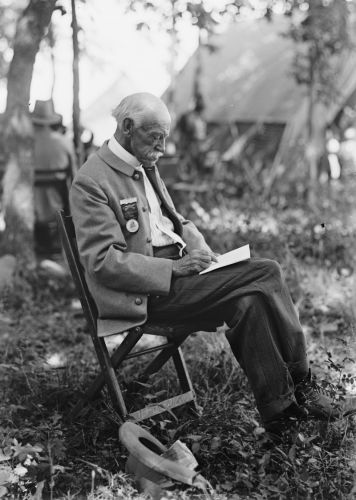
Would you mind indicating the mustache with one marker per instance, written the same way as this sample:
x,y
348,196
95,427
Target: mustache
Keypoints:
x,y
156,154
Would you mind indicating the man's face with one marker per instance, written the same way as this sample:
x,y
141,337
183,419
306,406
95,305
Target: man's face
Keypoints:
x,y
148,141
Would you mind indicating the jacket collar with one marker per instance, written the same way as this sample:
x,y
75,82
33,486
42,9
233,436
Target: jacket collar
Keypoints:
x,y
114,161
116,148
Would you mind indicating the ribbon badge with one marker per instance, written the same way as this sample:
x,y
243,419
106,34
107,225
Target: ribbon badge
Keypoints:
x,y
130,211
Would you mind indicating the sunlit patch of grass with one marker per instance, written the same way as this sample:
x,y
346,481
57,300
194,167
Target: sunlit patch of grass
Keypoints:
x,y
328,290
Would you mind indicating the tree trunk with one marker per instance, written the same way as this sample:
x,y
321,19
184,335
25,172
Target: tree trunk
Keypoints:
x,y
52,43
76,84
311,152
197,86
171,104
18,178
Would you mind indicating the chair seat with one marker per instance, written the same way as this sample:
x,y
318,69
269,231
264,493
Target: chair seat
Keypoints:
x,y
176,330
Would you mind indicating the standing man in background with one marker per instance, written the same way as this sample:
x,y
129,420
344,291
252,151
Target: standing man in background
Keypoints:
x,y
54,170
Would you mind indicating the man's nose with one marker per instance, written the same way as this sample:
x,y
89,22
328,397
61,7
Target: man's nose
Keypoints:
x,y
161,145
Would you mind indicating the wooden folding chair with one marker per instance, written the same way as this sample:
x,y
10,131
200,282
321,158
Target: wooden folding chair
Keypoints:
x,y
175,335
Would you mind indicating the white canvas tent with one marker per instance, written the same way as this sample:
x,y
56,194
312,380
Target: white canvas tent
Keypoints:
x,y
97,116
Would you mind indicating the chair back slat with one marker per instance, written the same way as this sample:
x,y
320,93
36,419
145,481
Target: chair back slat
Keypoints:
x,y
67,234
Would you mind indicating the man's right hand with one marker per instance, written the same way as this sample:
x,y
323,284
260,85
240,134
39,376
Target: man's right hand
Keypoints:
x,y
193,263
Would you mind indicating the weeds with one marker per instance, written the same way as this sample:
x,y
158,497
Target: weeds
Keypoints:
x,y
47,360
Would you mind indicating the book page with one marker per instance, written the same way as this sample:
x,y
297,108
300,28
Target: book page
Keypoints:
x,y
237,255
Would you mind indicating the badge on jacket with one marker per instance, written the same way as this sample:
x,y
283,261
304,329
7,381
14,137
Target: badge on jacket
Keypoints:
x,y
130,211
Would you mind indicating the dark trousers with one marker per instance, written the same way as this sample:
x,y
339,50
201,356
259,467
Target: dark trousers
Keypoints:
x,y
264,333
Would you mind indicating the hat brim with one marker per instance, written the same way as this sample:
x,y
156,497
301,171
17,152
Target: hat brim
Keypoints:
x,y
50,120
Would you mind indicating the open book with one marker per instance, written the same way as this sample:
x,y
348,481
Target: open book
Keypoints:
x,y
237,255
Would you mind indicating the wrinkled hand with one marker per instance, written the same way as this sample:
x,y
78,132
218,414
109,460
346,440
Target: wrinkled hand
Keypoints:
x,y
193,263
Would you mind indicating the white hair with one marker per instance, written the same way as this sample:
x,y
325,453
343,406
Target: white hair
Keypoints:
x,y
138,107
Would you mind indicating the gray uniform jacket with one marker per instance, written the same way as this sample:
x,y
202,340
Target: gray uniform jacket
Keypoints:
x,y
120,269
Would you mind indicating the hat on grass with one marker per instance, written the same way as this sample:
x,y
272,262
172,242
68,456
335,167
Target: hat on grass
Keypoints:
x,y
44,114
154,466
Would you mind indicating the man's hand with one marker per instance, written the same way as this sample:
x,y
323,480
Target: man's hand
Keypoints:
x,y
193,263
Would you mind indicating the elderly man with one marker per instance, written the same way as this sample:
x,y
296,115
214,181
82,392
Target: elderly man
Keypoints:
x,y
142,260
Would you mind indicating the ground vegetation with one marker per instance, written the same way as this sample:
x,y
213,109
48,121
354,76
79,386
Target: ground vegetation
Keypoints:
x,y
47,360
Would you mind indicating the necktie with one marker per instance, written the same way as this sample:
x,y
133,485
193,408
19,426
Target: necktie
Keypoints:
x,y
175,236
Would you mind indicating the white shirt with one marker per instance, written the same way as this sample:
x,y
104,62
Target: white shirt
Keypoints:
x,y
162,228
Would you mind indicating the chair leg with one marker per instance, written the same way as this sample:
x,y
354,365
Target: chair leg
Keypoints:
x,y
181,367
117,357
184,377
162,358
108,375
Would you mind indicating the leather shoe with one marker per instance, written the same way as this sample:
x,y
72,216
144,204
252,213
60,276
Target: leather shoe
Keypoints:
x,y
280,422
312,397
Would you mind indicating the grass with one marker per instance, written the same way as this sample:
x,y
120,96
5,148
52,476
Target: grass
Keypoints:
x,y
46,361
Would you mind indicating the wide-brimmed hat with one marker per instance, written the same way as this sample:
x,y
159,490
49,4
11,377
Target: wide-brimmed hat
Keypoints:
x,y
44,114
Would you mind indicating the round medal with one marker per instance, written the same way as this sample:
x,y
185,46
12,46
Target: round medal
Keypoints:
x,y
132,226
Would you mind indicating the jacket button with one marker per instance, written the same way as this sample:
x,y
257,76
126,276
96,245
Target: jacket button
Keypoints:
x,y
149,240
144,209
138,301
136,176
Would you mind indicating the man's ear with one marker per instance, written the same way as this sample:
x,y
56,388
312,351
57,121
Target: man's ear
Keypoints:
x,y
127,126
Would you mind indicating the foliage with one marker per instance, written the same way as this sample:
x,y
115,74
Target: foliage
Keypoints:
x,y
171,11
323,34
310,239
230,212
47,359
22,464
171,15
8,17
